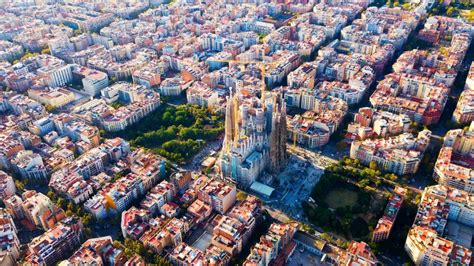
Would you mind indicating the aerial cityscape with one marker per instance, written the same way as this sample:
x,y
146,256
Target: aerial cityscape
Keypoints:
x,y
227,132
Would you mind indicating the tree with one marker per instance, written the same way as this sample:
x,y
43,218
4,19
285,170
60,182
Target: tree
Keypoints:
x,y
160,261
61,202
356,209
20,185
363,198
417,199
325,236
176,133
70,206
116,105
359,228
51,195
373,166
79,211
27,55
470,16
396,4
167,117
49,107
46,51
88,232
341,243
241,196
135,247
363,182
261,37
374,247
346,224
450,11
391,177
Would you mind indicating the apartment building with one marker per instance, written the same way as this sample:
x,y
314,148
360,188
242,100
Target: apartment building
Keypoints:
x,y
372,123
401,154
453,166
201,94
56,243
216,193
464,112
93,81
9,242
7,186
183,255
40,210
30,165
97,251
229,234
271,244
425,247
54,97
134,223
385,224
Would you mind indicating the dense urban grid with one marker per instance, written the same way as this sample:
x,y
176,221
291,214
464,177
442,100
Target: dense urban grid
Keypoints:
x,y
226,132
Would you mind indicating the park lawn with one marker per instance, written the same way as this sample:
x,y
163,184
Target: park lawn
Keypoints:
x,y
341,197
343,206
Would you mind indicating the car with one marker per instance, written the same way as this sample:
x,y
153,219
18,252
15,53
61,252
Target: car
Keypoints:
x,y
302,250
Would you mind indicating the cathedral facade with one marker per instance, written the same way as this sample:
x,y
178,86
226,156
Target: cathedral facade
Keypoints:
x,y
255,137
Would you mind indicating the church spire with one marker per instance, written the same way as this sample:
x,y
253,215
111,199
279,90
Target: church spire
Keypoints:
x,y
278,135
229,123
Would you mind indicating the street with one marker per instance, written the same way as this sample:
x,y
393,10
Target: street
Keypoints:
x,y
318,159
210,147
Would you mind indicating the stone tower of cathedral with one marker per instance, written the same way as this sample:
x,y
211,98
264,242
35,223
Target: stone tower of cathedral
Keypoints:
x,y
229,123
278,136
